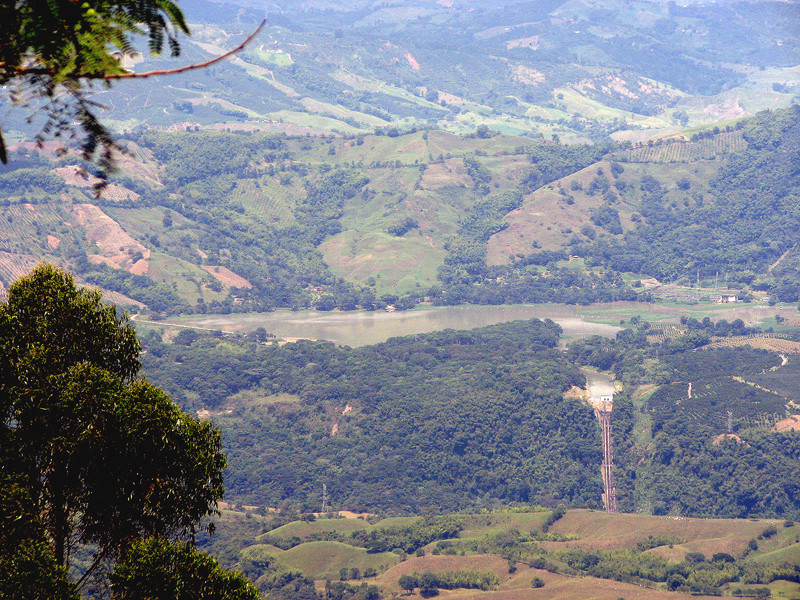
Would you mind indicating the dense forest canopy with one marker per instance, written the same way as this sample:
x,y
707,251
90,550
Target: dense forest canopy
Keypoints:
x,y
476,418
99,469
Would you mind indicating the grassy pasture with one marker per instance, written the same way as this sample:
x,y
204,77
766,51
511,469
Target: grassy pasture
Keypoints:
x,y
323,560
304,529
186,276
251,398
517,585
259,552
608,531
476,526
396,264
316,122
789,554
441,563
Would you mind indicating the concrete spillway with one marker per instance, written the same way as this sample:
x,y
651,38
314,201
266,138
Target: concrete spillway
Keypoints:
x,y
610,495
601,391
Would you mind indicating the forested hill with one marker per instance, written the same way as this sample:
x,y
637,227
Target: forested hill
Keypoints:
x,y
746,226
202,221
495,416
450,419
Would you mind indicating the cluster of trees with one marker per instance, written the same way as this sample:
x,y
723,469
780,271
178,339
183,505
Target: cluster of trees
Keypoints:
x,y
511,285
554,161
103,479
21,179
159,297
749,223
456,419
408,538
429,583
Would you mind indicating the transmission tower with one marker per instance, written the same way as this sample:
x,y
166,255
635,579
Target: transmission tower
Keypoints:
x,y
324,498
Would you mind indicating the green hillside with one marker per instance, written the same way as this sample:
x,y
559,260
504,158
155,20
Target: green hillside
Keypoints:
x,y
503,552
497,415
205,221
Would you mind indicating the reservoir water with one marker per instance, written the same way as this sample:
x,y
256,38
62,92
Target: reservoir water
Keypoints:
x,y
363,328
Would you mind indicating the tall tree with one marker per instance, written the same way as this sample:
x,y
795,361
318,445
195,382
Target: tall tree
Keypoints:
x,y
106,457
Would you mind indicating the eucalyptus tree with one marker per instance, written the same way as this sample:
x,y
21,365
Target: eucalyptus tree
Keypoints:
x,y
104,458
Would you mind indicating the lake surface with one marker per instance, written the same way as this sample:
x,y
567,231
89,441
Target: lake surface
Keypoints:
x,y
363,328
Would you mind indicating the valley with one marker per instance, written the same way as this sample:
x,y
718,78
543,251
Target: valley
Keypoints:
x,y
411,298
363,328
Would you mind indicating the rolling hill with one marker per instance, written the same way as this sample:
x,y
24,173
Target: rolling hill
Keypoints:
x,y
215,221
594,555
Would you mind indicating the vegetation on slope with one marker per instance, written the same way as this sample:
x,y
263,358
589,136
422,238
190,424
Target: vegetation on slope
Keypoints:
x,y
476,418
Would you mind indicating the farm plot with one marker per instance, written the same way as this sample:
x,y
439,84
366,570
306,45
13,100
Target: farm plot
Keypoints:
x,y
711,403
784,381
765,342
705,364
681,151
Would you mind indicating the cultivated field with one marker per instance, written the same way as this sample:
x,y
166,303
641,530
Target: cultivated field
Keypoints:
x,y
584,529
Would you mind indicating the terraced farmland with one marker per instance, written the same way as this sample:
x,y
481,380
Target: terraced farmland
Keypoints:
x,y
685,151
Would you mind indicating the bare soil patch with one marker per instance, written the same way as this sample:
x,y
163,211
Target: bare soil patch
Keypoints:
x,y
75,176
526,42
727,436
451,99
528,75
227,277
790,424
450,173
608,531
727,109
116,246
140,267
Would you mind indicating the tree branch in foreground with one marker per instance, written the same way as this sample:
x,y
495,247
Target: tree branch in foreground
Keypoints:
x,y
185,68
